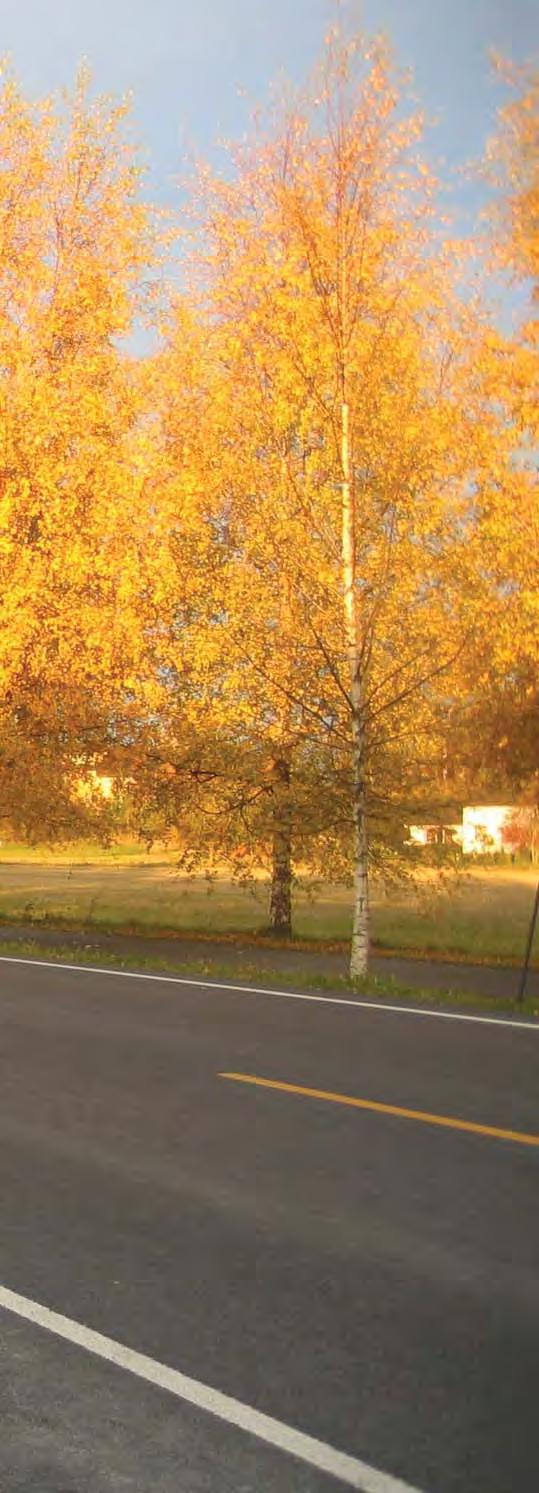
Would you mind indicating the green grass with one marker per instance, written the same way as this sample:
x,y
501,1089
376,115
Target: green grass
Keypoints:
x,y
255,974
85,853
484,917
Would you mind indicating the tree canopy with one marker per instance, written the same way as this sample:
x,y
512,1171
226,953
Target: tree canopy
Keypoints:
x,y
279,573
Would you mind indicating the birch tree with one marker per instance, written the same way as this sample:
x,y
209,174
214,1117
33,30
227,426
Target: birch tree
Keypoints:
x,y
76,248
343,463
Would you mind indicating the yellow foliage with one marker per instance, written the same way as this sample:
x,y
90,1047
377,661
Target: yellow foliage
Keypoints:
x,y
252,573
74,243
516,151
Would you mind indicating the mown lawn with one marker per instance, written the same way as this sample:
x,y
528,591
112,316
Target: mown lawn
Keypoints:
x,y
484,916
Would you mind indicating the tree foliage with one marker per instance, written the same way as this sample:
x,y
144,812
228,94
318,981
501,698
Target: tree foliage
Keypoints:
x,y
278,577
75,247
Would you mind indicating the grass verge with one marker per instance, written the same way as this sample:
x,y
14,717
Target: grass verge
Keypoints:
x,y
40,918
253,974
482,919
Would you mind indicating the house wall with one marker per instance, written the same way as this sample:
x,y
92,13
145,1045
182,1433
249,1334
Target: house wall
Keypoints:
x,y
482,827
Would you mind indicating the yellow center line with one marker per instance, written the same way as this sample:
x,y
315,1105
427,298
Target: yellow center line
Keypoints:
x,y
386,1109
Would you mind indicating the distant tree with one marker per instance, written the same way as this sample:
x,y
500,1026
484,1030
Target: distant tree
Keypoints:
x,y
522,831
76,247
496,729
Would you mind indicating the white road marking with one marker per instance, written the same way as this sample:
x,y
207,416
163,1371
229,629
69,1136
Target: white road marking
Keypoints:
x,y
289,995
348,1470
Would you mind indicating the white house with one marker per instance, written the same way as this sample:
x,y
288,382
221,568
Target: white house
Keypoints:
x,y
435,834
482,831
483,828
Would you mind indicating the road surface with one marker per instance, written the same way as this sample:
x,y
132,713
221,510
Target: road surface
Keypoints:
x,y
364,1276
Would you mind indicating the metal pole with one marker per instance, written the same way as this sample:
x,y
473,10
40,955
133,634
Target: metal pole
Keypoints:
x,y
527,956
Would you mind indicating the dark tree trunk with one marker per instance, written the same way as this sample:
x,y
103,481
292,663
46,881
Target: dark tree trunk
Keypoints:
x,y
281,876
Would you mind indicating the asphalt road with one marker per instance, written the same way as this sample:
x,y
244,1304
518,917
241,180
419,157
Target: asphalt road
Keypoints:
x,y
368,1278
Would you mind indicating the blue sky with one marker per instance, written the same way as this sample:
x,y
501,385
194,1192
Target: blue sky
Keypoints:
x,y
187,61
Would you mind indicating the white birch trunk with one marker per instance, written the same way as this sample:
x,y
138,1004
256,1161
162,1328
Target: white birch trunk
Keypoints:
x,y
359,953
